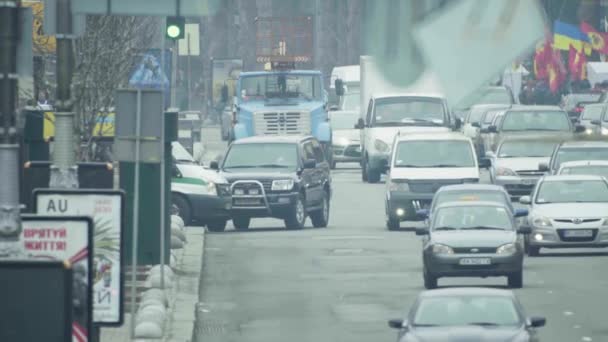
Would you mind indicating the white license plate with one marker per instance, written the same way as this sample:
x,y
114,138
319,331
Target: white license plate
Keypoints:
x,y
247,201
578,233
475,261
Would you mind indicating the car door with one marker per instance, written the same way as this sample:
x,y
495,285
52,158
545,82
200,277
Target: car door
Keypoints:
x,y
322,172
309,177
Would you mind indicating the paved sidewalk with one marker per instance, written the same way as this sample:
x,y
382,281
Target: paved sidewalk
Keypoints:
x,y
184,295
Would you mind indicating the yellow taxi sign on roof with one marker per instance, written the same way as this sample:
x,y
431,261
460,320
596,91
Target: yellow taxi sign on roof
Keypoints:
x,y
469,198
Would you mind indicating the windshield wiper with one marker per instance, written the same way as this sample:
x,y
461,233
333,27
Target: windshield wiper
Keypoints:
x,y
446,165
426,325
239,167
485,228
445,228
544,129
484,324
272,166
409,165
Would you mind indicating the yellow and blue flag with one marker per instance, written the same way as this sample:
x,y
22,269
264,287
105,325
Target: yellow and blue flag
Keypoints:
x,y
565,34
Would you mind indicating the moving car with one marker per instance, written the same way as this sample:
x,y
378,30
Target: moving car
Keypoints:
x,y
515,163
575,151
389,115
472,239
420,165
346,146
489,95
285,177
200,195
595,119
467,314
473,123
568,211
584,167
575,103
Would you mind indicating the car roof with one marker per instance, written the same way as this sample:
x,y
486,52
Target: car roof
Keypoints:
x,y
283,139
557,178
472,187
387,95
466,291
453,204
277,72
433,136
528,108
584,163
584,143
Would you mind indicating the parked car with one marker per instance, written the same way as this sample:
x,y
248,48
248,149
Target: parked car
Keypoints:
x,y
472,239
346,144
595,119
515,163
420,165
575,151
467,314
285,177
568,211
584,167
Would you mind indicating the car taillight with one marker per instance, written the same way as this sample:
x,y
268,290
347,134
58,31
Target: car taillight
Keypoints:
x,y
578,109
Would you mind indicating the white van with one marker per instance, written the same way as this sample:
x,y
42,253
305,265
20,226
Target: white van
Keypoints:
x,y
422,163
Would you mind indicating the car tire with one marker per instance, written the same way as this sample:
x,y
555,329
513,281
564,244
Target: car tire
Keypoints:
x,y
516,280
320,218
393,224
430,281
297,217
216,225
373,175
533,251
183,207
241,222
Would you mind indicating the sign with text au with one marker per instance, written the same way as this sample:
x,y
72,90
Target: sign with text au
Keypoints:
x,y
106,208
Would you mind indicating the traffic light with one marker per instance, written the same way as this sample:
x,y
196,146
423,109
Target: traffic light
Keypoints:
x,y
175,27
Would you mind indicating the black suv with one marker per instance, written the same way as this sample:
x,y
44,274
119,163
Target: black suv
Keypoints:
x,y
285,177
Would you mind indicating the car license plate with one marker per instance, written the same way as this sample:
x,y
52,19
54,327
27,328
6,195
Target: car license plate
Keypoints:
x,y
246,201
578,233
475,261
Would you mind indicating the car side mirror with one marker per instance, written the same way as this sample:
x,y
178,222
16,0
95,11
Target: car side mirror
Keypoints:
x,y
422,231
524,230
333,108
579,128
484,163
360,124
457,123
310,164
397,323
537,322
475,124
543,167
520,212
339,85
525,200
422,214
492,129
596,122
214,165
384,165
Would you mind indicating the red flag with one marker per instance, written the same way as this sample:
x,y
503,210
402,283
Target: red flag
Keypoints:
x,y
599,40
572,55
541,59
556,71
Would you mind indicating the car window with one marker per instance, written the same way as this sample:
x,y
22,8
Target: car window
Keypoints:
x,y
592,113
261,155
456,196
471,217
351,101
475,114
568,191
400,110
434,153
595,170
466,310
577,154
535,120
318,152
309,152
525,149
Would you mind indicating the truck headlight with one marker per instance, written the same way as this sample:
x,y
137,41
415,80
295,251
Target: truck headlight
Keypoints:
x,y
381,146
503,171
223,189
541,222
508,248
399,186
589,131
604,130
282,185
442,249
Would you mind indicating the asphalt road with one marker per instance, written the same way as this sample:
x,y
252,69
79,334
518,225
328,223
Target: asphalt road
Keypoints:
x,y
344,282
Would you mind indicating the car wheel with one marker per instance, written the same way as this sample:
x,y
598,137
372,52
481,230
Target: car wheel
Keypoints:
x,y
241,222
373,175
320,218
183,208
393,224
533,251
430,281
297,217
516,280
216,225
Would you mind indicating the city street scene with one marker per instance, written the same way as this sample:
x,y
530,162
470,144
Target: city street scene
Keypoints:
x,y
303,170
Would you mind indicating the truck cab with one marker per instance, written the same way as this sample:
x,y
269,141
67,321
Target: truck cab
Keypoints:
x,y
282,102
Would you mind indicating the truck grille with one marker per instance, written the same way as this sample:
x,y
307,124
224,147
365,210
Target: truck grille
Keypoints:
x,y
267,183
281,123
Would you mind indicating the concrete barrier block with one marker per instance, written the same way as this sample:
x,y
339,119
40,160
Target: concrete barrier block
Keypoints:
x,y
178,233
148,330
176,243
177,220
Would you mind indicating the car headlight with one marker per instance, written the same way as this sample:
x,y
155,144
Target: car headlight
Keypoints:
x,y
282,185
604,130
209,189
509,248
442,249
588,131
223,189
503,171
381,146
342,142
399,186
605,224
541,222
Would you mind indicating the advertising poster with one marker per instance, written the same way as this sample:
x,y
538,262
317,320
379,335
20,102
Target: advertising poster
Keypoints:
x,y
106,208
70,239
149,73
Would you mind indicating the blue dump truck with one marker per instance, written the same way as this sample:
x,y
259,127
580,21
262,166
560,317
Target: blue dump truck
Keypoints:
x,y
282,101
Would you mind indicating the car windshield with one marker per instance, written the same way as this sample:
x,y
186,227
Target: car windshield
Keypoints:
x,y
466,310
264,87
472,217
351,101
472,195
577,154
592,112
488,96
595,170
526,149
262,155
568,191
180,153
434,153
342,120
535,120
406,110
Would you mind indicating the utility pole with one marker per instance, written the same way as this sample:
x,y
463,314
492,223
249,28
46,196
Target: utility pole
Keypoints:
x,y
64,172
10,219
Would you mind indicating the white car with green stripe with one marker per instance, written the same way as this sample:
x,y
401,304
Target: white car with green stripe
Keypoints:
x,y
201,196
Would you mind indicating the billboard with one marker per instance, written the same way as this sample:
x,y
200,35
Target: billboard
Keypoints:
x,y
106,208
148,73
70,239
224,71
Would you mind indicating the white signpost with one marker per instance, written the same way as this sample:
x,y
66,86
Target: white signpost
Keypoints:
x,y
106,208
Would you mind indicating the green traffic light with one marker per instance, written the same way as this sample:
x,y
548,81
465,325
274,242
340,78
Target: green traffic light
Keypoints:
x,y
173,31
